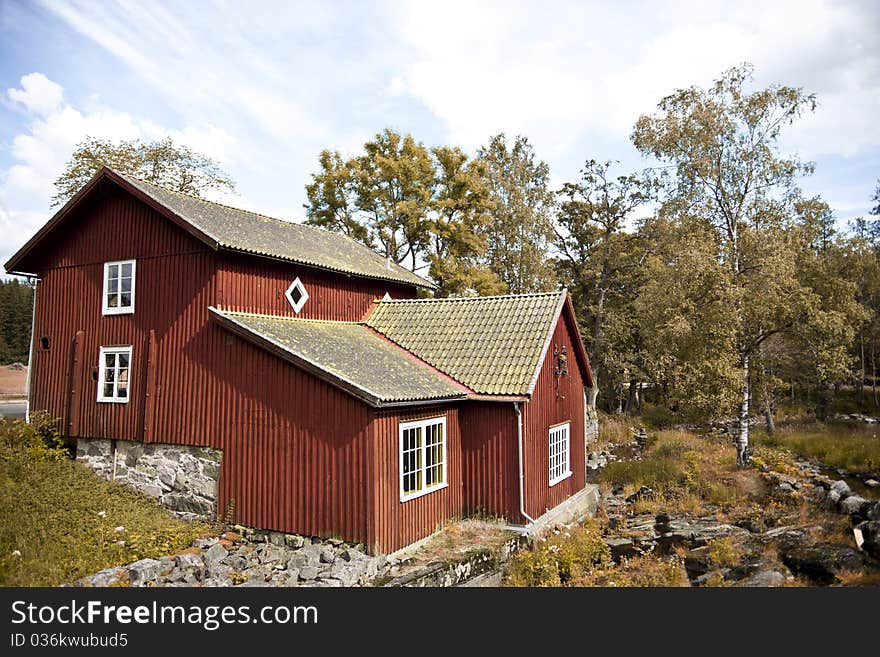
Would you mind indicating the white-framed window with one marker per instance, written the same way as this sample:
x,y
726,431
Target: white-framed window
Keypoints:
x,y
114,374
422,457
559,453
119,278
297,295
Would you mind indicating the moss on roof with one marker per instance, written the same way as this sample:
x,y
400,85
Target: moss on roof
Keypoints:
x,y
493,345
249,232
354,356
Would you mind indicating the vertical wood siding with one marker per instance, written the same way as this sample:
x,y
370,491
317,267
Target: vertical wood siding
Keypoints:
x,y
295,449
396,524
255,285
555,400
490,456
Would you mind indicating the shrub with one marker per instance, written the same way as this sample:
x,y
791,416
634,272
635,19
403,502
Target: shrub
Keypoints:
x,y
560,559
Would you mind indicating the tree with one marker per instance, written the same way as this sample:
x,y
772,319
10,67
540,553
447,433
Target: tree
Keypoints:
x,y
725,169
522,206
420,207
459,229
161,162
601,259
16,311
876,198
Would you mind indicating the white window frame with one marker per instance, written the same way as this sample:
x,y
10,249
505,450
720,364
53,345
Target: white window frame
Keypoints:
x,y
559,452
297,306
423,467
118,310
102,371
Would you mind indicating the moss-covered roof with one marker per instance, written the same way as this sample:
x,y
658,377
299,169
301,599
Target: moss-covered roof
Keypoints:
x,y
349,355
493,345
248,232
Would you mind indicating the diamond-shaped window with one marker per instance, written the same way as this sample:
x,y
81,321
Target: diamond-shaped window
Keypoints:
x,y
296,295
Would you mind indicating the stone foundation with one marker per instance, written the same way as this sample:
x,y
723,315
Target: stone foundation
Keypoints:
x,y
182,478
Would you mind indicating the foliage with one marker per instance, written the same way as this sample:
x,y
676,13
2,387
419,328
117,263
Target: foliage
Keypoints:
x,y
855,448
601,264
560,559
522,202
425,208
162,162
59,521
726,174
16,307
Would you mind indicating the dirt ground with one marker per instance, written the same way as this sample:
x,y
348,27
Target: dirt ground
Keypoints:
x,y
12,382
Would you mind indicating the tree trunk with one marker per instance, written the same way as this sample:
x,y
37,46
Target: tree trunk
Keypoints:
x,y
632,397
593,393
742,439
861,386
768,417
822,402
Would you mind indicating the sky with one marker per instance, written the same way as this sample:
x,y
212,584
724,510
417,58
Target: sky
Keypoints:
x,y
263,87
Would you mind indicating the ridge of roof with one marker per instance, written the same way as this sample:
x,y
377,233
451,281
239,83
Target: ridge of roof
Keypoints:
x,y
521,295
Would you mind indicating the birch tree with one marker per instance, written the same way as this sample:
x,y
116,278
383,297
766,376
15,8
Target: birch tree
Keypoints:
x,y
162,162
720,147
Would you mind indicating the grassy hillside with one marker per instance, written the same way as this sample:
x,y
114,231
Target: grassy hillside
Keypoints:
x,y
59,521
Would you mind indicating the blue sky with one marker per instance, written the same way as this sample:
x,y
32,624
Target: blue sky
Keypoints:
x,y
264,89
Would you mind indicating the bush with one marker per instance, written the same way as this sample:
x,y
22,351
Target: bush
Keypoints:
x,y
560,559
59,521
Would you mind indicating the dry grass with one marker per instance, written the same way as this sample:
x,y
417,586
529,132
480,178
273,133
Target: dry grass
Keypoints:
x,y
13,382
614,429
838,445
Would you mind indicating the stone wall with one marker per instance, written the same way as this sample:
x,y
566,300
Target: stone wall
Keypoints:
x,y
183,478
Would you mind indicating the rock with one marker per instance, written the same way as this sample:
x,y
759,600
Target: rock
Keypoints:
x,y
143,571
234,537
307,573
832,500
106,577
841,488
205,542
215,553
697,563
765,578
294,541
645,492
622,547
785,487
327,555
855,505
822,562
868,537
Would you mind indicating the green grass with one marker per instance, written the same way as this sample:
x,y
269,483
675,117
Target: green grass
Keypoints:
x,y
58,520
838,445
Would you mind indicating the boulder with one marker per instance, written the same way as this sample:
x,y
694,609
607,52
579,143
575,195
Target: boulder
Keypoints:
x,y
622,547
307,573
873,512
867,535
841,488
215,553
855,505
764,578
142,571
822,562
872,483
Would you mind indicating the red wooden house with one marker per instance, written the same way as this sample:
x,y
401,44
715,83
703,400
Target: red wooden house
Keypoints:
x,y
225,362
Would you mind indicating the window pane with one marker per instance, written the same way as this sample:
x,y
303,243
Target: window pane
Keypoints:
x,y
126,269
113,285
126,299
108,390
109,360
113,271
122,390
296,294
123,360
109,374
126,285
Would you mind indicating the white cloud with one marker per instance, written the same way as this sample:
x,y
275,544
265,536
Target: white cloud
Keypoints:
x,y
38,93
40,152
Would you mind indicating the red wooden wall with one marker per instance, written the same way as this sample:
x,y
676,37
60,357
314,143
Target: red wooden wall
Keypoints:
x,y
554,400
